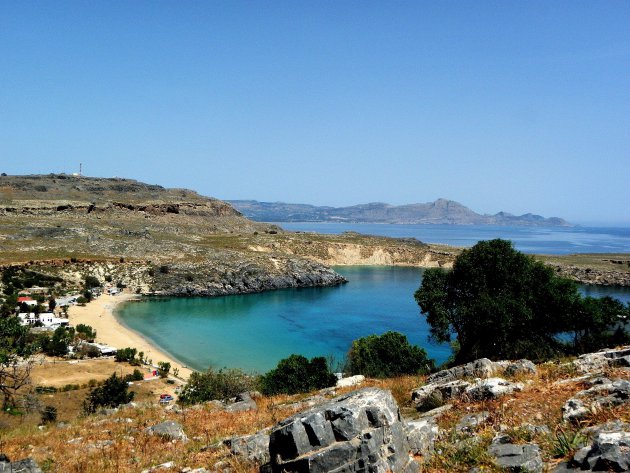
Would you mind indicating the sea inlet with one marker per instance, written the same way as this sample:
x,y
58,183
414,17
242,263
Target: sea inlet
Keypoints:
x,y
254,331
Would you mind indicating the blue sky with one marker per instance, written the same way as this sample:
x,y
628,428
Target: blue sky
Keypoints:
x,y
522,106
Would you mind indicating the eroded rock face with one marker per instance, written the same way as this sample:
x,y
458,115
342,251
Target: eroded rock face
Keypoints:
x,y
598,361
514,457
168,430
251,447
433,394
421,435
609,451
602,394
492,388
482,368
359,431
27,465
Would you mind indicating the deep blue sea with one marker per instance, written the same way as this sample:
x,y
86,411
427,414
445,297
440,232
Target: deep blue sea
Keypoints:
x,y
552,241
253,332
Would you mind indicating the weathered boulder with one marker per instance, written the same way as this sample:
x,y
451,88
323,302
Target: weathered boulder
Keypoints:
x,y
243,402
492,388
350,381
469,422
598,361
603,393
28,465
520,367
421,435
434,394
168,430
610,451
481,368
517,458
251,447
362,430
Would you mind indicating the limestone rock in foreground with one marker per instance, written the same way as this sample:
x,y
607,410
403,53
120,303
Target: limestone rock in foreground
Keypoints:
x,y
513,457
598,361
360,431
603,393
168,430
609,451
481,368
253,447
492,388
27,465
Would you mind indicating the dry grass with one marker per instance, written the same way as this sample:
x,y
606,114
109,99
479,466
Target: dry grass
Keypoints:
x,y
132,450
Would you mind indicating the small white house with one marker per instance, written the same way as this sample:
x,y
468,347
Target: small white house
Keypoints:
x,y
47,319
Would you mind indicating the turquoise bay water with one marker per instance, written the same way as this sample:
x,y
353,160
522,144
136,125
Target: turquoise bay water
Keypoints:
x,y
253,332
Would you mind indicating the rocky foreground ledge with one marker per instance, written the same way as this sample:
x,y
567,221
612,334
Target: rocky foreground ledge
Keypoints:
x,y
482,416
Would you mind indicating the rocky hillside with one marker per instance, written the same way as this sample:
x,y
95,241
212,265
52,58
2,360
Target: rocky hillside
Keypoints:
x,y
209,248
497,416
172,241
441,211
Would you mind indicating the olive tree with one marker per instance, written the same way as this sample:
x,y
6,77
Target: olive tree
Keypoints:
x,y
498,303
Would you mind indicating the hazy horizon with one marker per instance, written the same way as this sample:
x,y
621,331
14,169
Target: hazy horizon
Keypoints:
x,y
522,107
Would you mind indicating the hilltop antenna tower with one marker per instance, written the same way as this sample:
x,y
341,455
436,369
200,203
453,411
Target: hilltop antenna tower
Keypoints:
x,y
80,168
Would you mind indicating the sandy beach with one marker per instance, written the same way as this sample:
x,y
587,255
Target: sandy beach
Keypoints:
x,y
99,314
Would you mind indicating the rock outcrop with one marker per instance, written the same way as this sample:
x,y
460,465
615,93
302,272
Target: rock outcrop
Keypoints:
x,y
27,465
361,431
168,430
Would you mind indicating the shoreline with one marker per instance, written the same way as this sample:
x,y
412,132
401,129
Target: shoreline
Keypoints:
x,y
99,314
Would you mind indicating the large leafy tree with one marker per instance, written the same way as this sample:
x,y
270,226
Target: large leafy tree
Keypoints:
x,y
499,303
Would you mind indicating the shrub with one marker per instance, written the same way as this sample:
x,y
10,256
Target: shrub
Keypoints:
x,y
91,281
163,368
387,355
112,393
296,374
49,414
85,332
135,376
125,354
164,269
222,385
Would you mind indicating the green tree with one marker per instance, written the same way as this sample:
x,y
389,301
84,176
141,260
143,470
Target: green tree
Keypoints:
x,y
58,344
112,393
163,368
598,322
91,281
387,355
85,332
16,350
125,354
499,303
296,374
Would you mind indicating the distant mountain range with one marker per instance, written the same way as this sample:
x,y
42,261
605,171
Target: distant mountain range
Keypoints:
x,y
442,211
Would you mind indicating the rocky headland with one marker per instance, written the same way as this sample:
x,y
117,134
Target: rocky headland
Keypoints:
x,y
441,211
176,242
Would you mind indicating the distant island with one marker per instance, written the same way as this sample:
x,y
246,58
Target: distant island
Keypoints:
x,y
441,211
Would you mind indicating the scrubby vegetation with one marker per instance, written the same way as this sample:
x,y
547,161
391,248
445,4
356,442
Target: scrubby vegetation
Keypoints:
x,y
221,385
112,393
297,374
387,355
